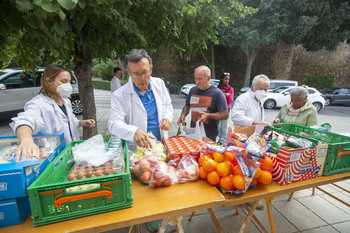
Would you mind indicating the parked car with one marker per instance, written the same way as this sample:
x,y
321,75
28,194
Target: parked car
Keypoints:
x,y
336,95
274,83
17,88
185,89
279,96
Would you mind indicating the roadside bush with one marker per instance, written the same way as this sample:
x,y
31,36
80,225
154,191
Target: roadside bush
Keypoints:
x,y
175,88
319,81
103,69
101,84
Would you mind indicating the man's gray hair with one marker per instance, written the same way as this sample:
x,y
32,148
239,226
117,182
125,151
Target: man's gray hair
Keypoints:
x,y
206,69
300,91
135,56
260,77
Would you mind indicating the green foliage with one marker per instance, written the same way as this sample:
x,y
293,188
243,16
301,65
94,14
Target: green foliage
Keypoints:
x,y
319,81
103,69
175,88
101,84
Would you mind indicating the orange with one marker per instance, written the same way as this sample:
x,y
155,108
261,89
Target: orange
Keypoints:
x,y
265,177
204,157
257,173
213,178
255,182
218,157
209,165
238,182
229,156
202,173
237,170
223,169
226,183
266,164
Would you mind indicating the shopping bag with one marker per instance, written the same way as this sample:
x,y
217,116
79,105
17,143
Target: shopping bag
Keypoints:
x,y
197,132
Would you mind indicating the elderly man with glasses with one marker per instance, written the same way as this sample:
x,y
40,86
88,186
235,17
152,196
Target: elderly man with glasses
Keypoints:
x,y
142,105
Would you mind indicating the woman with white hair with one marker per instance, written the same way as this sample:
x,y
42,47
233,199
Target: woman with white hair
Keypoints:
x,y
299,110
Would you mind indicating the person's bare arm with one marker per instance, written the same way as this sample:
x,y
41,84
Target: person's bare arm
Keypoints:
x,y
27,145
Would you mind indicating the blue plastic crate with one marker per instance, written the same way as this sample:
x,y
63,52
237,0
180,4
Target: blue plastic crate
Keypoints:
x,y
14,211
16,177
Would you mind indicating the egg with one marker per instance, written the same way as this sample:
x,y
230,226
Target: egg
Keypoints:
x,y
80,175
98,172
71,176
114,169
106,171
89,173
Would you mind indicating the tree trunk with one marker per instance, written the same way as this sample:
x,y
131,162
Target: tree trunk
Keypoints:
x,y
213,75
83,70
248,71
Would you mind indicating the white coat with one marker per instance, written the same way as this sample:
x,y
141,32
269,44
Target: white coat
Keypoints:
x,y
115,84
43,115
246,110
128,113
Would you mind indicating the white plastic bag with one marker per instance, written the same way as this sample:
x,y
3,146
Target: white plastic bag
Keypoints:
x,y
193,133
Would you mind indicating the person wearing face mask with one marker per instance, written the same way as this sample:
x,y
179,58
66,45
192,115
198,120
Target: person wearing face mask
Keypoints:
x,y
299,110
49,112
247,109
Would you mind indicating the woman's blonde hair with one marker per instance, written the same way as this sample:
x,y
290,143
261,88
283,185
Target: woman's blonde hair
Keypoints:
x,y
49,75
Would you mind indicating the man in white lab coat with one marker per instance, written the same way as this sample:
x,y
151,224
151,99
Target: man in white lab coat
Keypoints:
x,y
142,105
247,109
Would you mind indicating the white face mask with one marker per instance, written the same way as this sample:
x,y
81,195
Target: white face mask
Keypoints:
x,y
259,94
65,89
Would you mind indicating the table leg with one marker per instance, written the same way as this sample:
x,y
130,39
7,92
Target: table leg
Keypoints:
x,y
268,204
313,191
249,216
191,216
331,195
215,220
139,228
256,220
341,188
131,229
236,209
290,196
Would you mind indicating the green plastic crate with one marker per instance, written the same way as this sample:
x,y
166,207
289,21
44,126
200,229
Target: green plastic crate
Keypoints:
x,y
52,200
338,155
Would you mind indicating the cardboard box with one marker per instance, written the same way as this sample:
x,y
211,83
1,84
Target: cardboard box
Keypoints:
x,y
246,131
292,165
16,177
14,211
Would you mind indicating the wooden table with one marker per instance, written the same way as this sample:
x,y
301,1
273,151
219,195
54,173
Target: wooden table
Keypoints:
x,y
158,203
149,204
268,192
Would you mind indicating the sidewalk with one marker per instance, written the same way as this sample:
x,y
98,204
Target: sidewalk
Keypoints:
x,y
304,213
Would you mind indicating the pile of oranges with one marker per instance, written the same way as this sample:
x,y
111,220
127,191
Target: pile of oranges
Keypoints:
x,y
223,169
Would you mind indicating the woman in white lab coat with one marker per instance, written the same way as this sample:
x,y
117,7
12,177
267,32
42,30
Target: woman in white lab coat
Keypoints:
x,y
128,113
49,112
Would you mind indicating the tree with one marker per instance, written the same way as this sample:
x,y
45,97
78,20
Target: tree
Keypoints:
x,y
82,30
313,23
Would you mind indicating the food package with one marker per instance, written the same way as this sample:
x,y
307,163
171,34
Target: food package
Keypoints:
x,y
156,150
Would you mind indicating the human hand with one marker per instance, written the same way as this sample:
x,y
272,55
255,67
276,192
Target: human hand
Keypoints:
x,y
87,123
276,121
227,94
141,138
181,120
262,123
165,124
204,117
27,149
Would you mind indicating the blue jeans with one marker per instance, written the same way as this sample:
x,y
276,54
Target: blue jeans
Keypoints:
x,y
222,128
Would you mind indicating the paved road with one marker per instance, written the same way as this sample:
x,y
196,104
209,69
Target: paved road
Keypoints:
x,y
337,116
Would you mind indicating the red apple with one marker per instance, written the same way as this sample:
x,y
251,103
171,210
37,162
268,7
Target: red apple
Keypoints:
x,y
144,165
145,177
137,171
193,173
167,181
171,169
159,175
181,175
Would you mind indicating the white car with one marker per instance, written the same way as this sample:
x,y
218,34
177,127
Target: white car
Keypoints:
x,y
279,96
185,89
274,83
14,93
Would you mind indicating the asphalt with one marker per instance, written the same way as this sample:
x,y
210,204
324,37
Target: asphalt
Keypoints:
x,y
305,212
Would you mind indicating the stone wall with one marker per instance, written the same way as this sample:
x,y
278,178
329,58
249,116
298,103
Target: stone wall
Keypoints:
x,y
281,62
